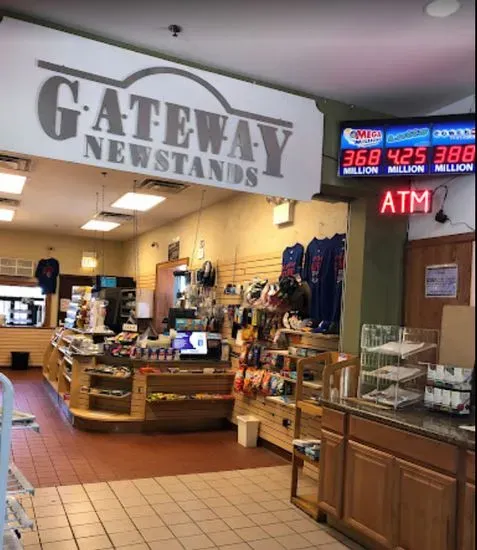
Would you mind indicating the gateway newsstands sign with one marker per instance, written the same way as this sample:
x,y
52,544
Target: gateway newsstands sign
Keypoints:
x,y
69,98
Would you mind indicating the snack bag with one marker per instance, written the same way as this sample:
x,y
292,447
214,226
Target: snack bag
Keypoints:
x,y
273,384
248,381
257,380
266,380
239,379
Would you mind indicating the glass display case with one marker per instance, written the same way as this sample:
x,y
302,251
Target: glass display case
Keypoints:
x,y
394,363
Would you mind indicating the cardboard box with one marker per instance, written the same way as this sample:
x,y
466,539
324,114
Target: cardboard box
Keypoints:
x,y
457,344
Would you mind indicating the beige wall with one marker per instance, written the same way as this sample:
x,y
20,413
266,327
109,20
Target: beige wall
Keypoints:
x,y
67,250
241,226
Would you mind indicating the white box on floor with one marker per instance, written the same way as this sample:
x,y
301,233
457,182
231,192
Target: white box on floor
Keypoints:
x,y
248,430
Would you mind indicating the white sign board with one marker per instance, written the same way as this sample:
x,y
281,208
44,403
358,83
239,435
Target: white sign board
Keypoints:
x,y
441,281
70,98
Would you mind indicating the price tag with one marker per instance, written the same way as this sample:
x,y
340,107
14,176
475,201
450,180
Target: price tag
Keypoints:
x,y
129,327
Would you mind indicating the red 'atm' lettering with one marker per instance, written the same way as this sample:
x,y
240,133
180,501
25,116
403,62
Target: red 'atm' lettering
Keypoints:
x,y
406,202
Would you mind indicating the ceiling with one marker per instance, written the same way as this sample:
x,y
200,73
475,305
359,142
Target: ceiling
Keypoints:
x,y
60,197
382,54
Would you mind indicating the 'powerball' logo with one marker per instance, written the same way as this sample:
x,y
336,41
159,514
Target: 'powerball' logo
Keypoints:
x,y
363,137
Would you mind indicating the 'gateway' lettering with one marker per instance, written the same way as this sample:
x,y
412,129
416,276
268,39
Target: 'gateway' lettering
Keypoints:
x,y
146,119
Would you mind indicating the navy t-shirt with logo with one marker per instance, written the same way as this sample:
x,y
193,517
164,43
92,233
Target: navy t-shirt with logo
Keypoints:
x,y
313,272
47,272
332,283
292,260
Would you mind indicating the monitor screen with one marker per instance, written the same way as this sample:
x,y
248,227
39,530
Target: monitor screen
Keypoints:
x,y
108,282
425,146
191,343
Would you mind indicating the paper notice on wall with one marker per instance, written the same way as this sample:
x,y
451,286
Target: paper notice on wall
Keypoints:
x,y
64,304
441,281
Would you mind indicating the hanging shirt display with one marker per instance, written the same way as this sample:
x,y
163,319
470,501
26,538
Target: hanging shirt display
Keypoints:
x,y
312,274
47,272
332,280
292,260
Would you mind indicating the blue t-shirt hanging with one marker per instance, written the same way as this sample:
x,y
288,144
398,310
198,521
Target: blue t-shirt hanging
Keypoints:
x,y
314,256
292,260
47,272
332,279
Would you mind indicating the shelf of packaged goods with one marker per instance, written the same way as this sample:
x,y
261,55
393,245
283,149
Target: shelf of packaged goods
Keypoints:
x,y
17,482
106,396
305,458
230,399
103,375
310,407
308,504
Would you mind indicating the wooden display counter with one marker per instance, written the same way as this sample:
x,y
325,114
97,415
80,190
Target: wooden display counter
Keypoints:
x,y
400,480
31,339
98,401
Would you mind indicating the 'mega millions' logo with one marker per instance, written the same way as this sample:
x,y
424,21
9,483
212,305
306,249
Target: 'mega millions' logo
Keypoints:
x,y
363,137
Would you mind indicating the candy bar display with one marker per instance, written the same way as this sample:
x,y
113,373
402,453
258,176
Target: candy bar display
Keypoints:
x,y
162,396
122,344
107,370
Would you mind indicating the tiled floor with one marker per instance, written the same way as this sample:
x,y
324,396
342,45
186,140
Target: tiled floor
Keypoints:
x,y
232,510
62,455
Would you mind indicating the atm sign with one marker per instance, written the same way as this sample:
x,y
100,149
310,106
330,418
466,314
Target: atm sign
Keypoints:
x,y
406,201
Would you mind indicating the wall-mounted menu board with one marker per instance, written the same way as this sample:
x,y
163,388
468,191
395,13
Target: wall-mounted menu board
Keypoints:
x,y
412,146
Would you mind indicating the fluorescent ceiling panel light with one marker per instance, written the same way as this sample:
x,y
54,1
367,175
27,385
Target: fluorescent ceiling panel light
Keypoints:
x,y
442,8
11,183
6,215
138,201
99,225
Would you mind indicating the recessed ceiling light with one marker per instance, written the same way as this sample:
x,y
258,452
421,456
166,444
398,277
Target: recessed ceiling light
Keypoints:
x,y
11,183
442,8
99,225
6,215
138,201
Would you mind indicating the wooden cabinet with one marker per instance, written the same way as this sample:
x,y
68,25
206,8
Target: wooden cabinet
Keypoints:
x,y
368,497
425,508
467,525
331,473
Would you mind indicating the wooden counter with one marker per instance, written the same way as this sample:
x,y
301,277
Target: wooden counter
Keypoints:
x,y
75,387
394,486
31,339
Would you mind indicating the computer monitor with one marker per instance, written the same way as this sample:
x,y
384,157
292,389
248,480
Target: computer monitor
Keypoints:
x,y
191,343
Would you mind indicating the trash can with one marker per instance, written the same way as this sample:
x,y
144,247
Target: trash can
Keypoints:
x,y
19,360
248,430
